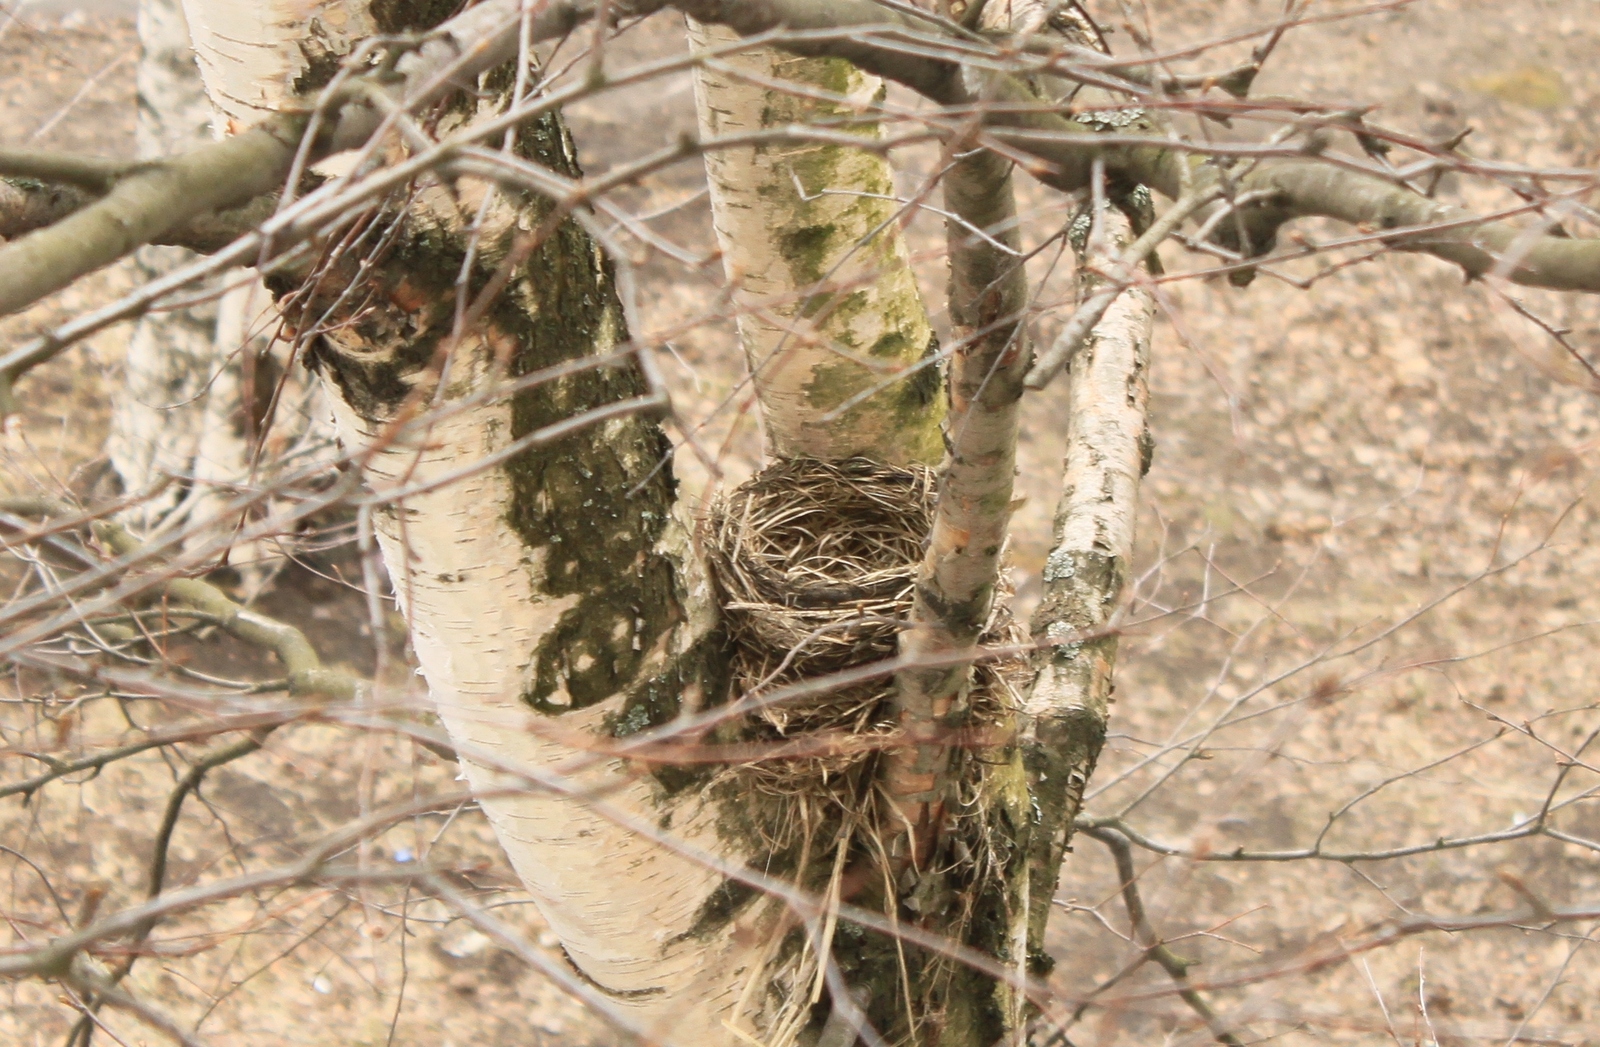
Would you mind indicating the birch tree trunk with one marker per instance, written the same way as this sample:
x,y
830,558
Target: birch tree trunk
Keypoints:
x,y
552,594
156,423
1109,448
549,594
831,321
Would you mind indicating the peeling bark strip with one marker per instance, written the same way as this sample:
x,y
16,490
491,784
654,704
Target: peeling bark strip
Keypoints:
x,y
828,306
1108,452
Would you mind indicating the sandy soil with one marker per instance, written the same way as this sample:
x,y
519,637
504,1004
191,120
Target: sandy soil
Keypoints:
x,y
1364,560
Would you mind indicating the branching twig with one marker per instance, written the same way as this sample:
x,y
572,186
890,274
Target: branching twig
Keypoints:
x,y
1154,947
303,666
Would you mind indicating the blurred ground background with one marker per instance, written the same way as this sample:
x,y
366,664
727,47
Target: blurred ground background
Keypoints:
x,y
1330,462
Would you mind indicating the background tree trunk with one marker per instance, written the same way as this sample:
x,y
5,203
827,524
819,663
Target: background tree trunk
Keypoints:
x,y
199,380
157,422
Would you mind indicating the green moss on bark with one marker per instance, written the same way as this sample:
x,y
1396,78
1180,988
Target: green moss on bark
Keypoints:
x,y
401,16
596,502
590,508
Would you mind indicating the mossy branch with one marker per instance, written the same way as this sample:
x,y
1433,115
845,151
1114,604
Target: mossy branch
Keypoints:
x,y
145,204
306,675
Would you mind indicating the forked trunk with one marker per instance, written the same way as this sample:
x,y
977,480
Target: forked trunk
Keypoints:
x,y
553,596
843,360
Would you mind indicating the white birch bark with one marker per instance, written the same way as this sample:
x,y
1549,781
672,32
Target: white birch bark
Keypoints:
x,y
511,651
959,573
623,906
960,570
828,306
1106,457
251,53
156,422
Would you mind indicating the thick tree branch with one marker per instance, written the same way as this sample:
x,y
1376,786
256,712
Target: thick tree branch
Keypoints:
x,y
157,197
1108,450
817,259
908,50
1302,188
1015,114
83,172
146,204
956,583
27,204
1121,274
151,201
302,665
860,31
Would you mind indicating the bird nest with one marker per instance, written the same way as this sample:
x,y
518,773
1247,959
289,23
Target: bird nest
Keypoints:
x,y
816,563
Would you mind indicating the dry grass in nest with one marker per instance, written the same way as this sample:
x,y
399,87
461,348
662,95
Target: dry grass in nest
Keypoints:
x,y
816,563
